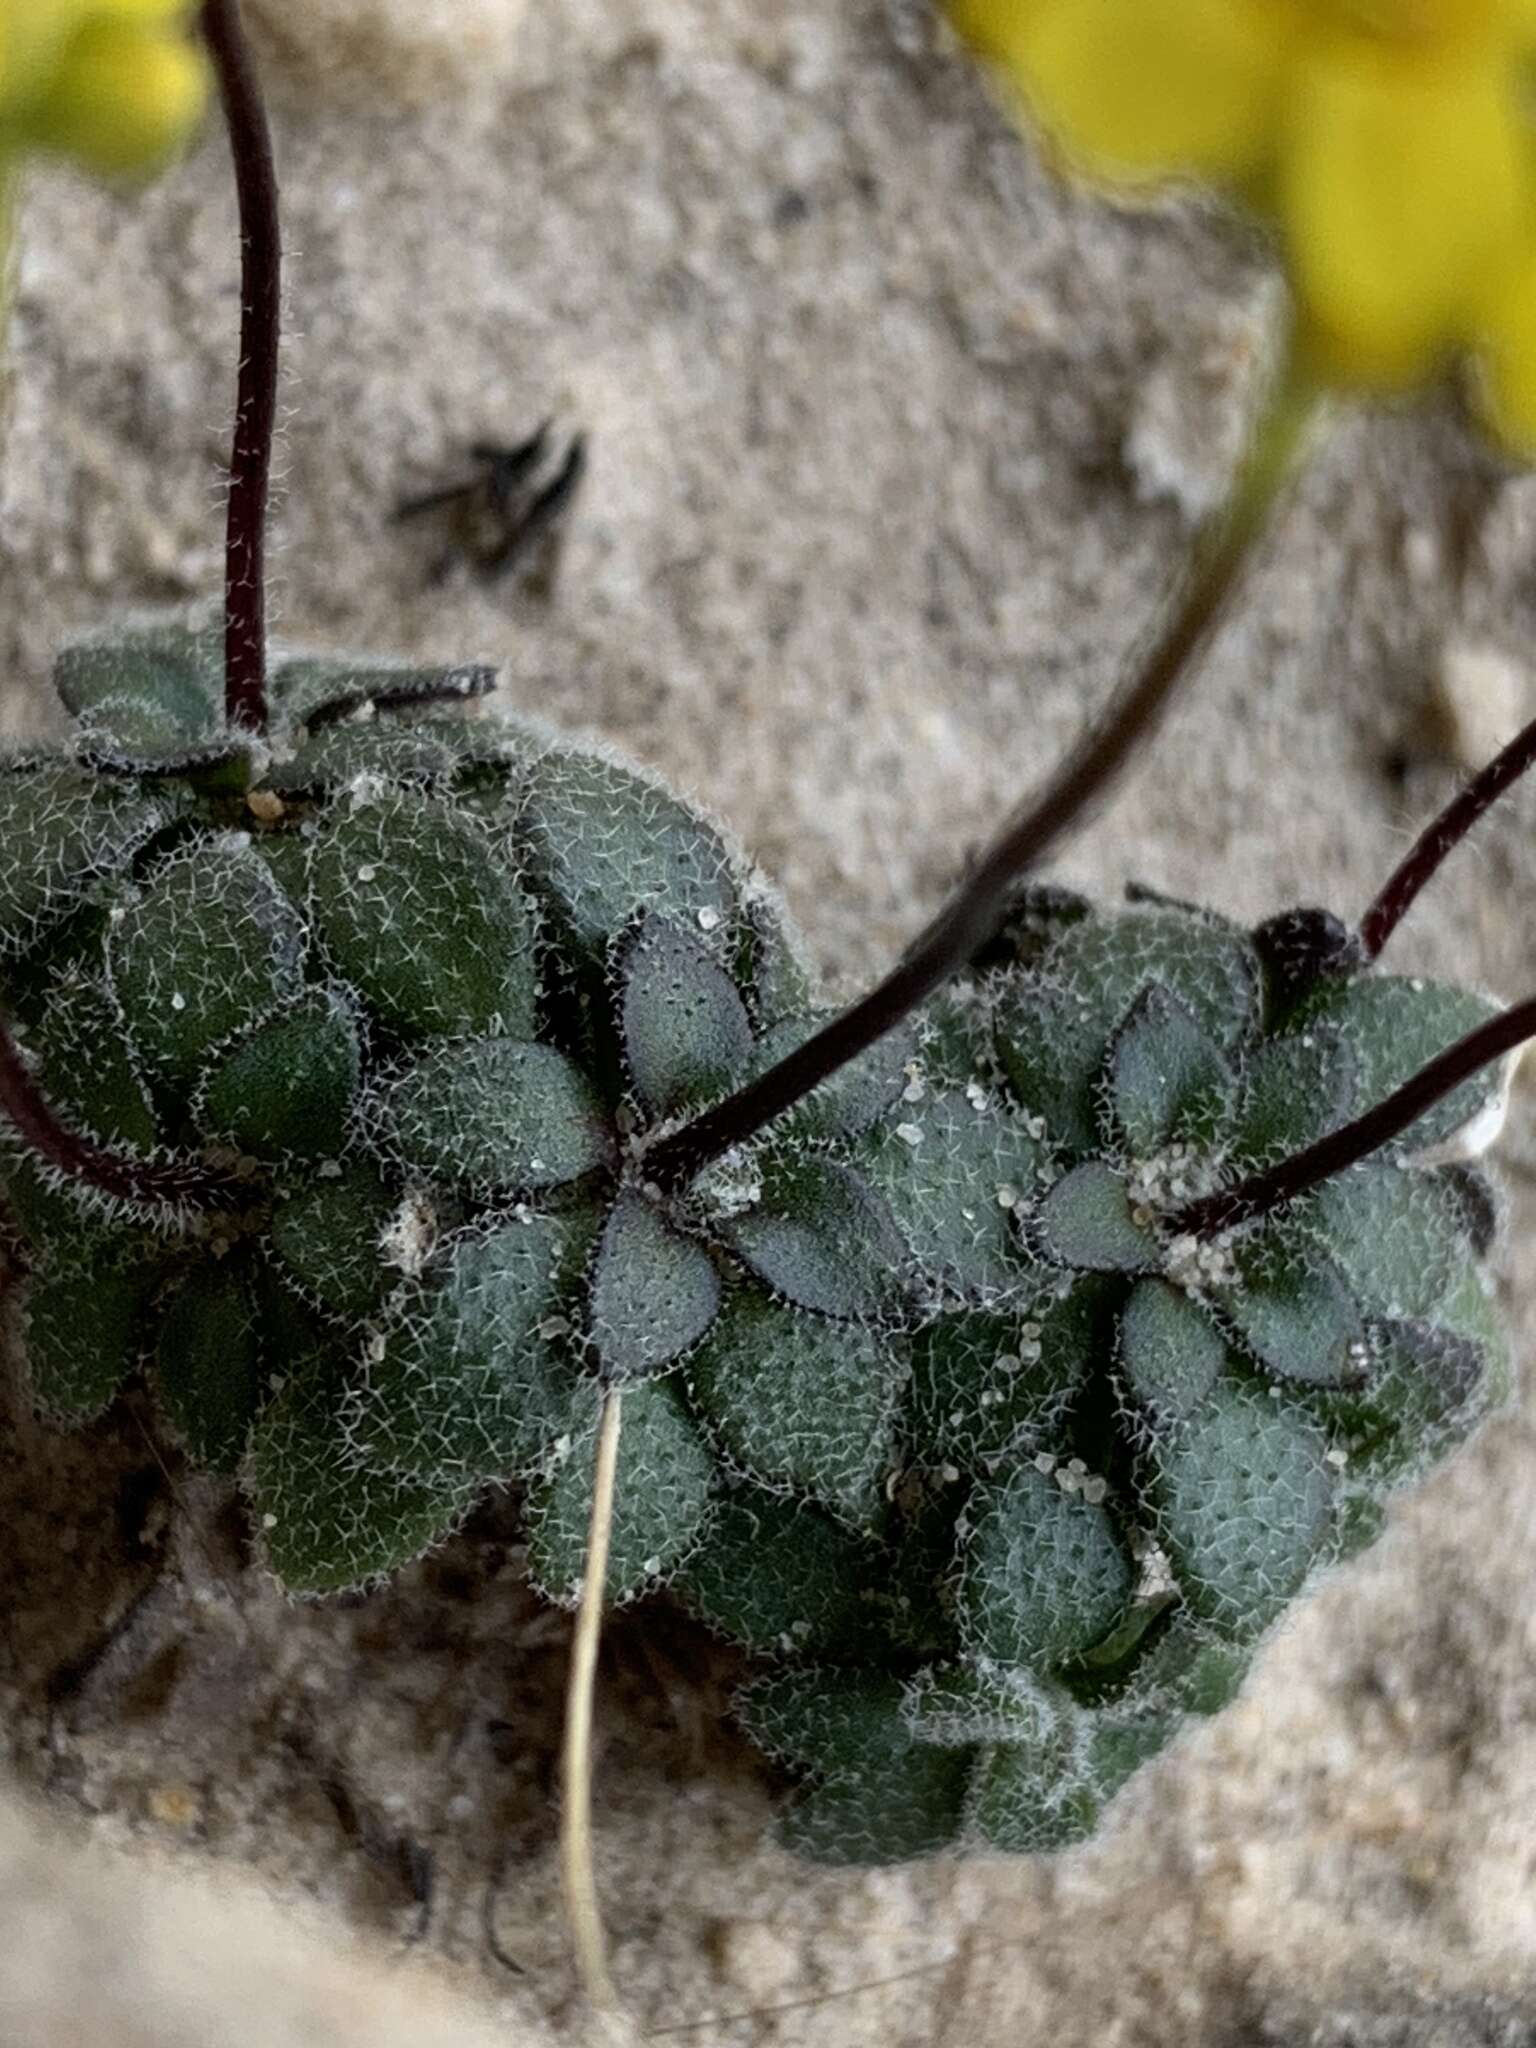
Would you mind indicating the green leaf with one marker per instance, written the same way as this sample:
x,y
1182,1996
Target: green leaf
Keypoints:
x,y
1393,1026
84,1311
1051,1046
662,1498
956,1704
1167,1083
857,1094
1044,1574
802,1404
778,960
327,1234
208,1364
1206,965
821,1238
1187,1670
686,1032
953,1171
172,665
910,1806
1087,1222
986,1385
425,751
1424,1389
1395,1231
1026,1801
654,1291
880,1796
1291,1309
86,1069
472,1374
1296,1089
494,1116
1171,1352
1242,1492
211,947
605,841
61,829
289,1087
310,688
330,1521
421,913
775,1574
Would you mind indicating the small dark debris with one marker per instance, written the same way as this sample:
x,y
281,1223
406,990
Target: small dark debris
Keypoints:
x,y
507,514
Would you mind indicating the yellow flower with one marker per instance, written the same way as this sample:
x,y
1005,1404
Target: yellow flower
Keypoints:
x,y
118,85
1392,143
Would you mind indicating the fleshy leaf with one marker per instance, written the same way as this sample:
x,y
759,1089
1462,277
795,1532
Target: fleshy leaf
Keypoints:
x,y
1393,1026
1087,1222
984,1385
174,664
473,1373
1424,1388
775,1574
1291,1309
1026,1801
856,1095
418,910
1296,1089
61,828
423,751
686,1031
605,842
953,1171
1190,1671
315,689
1171,1352
802,1403
1044,1574
329,1520
1242,1492
495,1115
1051,1047
208,1365
1394,1231
1205,964
1167,1082
878,1795
86,1069
289,1087
211,947
777,958
327,1234
84,1312
821,1238
654,1291
662,1498
956,1704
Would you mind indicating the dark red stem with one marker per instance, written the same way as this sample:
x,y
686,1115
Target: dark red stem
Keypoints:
x,y
1441,836
1276,1185
162,1184
250,463
976,912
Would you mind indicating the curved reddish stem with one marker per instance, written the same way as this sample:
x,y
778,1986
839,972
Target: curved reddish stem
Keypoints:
x,y
165,1184
250,462
1273,1186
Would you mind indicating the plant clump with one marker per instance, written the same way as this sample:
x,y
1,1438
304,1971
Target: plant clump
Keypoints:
x,y
932,1399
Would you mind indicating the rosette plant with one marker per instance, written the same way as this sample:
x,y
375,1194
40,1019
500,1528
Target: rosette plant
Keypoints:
x,y
423,1101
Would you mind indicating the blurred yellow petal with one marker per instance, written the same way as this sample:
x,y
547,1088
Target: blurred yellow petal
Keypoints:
x,y
1506,361
33,37
1401,182
124,99
1143,89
